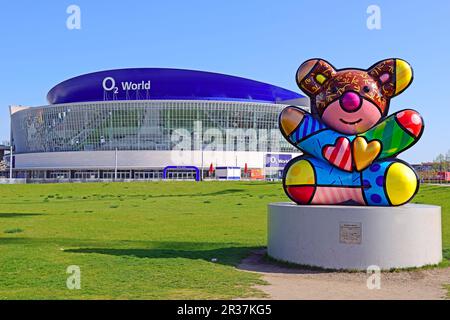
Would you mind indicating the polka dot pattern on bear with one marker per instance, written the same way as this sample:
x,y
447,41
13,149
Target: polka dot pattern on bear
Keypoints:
x,y
375,198
415,119
366,184
380,181
411,121
374,176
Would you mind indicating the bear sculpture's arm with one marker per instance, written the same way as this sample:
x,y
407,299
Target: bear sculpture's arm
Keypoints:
x,y
313,137
396,133
391,136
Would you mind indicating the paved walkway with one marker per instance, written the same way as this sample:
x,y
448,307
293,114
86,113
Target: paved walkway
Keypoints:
x,y
289,283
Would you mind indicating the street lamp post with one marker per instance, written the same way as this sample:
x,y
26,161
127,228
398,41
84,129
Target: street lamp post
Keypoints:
x,y
10,163
115,167
201,169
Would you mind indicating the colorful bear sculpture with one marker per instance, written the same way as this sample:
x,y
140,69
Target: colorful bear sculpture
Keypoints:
x,y
349,143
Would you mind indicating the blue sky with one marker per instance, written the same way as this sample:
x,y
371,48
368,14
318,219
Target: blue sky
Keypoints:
x,y
262,40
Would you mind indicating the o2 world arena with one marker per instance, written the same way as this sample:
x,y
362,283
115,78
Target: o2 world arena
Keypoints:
x,y
153,123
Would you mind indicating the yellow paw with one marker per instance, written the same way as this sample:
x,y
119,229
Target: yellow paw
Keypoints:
x,y
401,183
300,173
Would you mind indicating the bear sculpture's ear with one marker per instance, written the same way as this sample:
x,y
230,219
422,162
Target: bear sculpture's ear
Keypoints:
x,y
393,76
313,74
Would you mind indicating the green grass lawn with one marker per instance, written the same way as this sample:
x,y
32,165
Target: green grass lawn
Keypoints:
x,y
141,240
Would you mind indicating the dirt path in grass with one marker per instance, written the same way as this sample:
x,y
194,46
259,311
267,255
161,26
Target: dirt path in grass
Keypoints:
x,y
289,283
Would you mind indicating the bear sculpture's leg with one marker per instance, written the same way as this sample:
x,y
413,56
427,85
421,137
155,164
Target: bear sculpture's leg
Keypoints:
x,y
389,182
308,180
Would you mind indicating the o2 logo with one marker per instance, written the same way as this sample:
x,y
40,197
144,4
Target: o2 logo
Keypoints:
x,y
273,160
277,160
109,84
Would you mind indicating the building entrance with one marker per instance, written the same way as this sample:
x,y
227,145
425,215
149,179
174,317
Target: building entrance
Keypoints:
x,y
182,173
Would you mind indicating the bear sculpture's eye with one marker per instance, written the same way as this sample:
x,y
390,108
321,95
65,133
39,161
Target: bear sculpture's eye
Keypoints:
x,y
366,89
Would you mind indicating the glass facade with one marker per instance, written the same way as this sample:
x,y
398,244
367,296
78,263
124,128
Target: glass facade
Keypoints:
x,y
149,125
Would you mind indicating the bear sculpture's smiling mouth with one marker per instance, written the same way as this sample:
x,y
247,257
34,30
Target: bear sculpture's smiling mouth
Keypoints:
x,y
351,122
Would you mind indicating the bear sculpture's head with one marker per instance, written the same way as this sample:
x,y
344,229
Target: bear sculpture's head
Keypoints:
x,y
351,101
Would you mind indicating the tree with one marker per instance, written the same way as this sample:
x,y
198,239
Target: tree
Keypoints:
x,y
438,162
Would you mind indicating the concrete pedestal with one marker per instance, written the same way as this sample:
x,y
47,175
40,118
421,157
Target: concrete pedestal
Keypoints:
x,y
354,238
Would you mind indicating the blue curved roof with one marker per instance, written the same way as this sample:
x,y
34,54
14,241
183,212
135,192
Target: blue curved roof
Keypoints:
x,y
165,84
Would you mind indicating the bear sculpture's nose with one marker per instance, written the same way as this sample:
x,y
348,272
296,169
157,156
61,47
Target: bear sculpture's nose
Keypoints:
x,y
350,101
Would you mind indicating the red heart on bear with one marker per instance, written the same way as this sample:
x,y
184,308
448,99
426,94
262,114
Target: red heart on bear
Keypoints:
x,y
339,154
